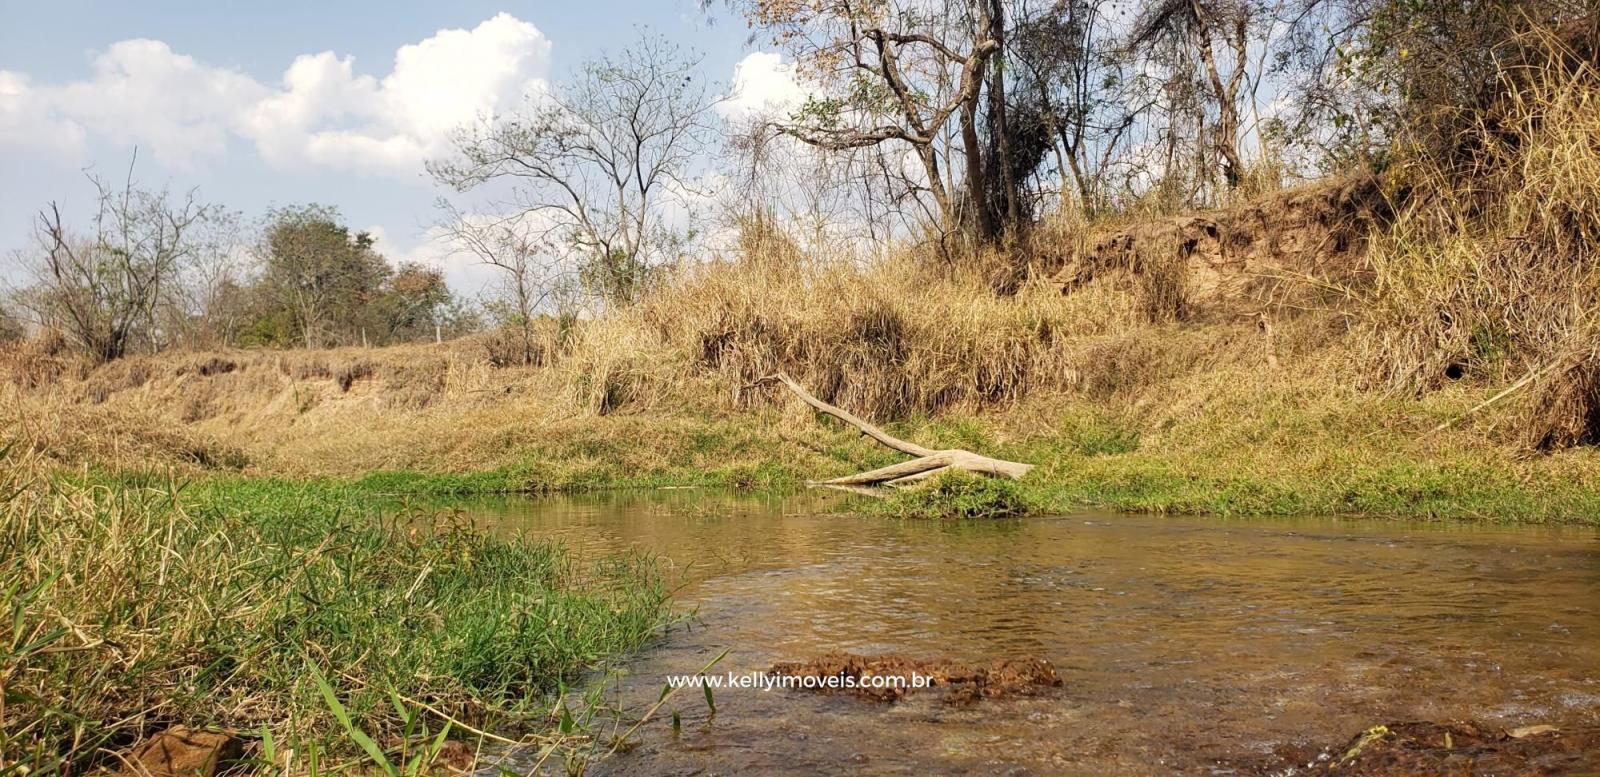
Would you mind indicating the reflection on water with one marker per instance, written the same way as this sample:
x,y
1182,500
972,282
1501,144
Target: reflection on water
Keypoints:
x,y
1181,641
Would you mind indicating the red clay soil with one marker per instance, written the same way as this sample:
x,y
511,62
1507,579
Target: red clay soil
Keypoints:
x,y
960,683
1440,750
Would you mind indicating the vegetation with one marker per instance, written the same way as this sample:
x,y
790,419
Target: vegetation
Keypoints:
x,y
590,170
254,606
321,285
158,273
957,495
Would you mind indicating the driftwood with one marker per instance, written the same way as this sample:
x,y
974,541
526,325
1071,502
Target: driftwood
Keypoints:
x,y
928,462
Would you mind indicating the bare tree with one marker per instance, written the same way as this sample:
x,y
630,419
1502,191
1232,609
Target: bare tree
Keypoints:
x,y
1072,69
204,307
893,74
1217,33
532,276
104,287
597,160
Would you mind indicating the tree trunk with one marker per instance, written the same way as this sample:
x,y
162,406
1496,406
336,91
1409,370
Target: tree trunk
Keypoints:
x,y
978,216
1226,95
998,124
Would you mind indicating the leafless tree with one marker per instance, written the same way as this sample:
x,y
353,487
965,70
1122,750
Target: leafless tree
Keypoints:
x,y
533,278
597,160
1217,34
899,75
1072,66
204,307
105,286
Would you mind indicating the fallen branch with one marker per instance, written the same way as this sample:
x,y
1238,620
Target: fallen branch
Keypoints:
x,y
927,464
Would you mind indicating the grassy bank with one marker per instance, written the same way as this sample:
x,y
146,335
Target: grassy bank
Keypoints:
x,y
1350,456
1221,441
245,604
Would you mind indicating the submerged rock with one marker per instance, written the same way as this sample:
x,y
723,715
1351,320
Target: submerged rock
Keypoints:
x,y
960,682
1435,749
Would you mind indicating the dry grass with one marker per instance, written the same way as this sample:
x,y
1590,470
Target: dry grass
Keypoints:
x,y
659,392
1493,269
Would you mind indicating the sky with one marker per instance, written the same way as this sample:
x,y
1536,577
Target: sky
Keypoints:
x,y
258,105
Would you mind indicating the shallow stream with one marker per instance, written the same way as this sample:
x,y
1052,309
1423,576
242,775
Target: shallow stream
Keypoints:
x,y
1184,644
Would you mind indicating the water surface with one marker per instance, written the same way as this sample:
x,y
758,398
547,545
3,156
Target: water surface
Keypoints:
x,y
1183,643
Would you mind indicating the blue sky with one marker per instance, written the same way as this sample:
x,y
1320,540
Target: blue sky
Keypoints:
x,y
259,104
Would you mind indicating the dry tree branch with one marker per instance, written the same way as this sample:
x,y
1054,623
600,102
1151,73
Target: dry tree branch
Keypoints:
x,y
928,462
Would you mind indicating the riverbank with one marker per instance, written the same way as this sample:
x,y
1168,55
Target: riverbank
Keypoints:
x,y
204,564
310,622
1232,448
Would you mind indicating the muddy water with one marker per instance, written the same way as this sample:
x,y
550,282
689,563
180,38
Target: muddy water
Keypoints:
x,y
1184,644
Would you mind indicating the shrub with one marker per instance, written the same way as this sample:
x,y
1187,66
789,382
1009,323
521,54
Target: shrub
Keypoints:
x,y
960,495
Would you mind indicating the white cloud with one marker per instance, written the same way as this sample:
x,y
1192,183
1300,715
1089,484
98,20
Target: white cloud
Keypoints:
x,y
24,123
327,114
763,85
323,112
140,93
144,93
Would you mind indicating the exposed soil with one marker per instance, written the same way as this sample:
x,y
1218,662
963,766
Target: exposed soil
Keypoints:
x,y
1240,253
1454,749
960,683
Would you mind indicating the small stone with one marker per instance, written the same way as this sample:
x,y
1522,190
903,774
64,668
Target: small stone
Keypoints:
x,y
457,755
183,752
1528,731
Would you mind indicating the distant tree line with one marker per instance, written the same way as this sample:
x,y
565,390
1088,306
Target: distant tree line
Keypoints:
x,y
155,270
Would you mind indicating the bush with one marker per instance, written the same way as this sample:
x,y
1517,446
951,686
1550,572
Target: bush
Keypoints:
x,y
960,495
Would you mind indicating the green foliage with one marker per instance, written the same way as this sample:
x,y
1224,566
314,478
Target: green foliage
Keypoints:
x,y
301,608
322,285
11,327
959,495
1098,435
1384,486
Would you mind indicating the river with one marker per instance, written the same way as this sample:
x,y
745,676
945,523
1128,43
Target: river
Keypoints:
x,y
1183,643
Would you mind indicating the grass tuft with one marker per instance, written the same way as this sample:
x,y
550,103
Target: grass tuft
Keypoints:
x,y
959,496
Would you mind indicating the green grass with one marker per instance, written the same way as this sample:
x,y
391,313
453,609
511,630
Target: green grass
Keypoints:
x,y
1395,488
129,606
958,496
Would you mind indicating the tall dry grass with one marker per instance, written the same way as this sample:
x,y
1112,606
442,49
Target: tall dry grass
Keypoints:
x,y
1492,270
890,339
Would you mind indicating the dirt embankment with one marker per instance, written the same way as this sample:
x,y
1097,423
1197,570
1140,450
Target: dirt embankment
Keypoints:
x,y
1234,258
